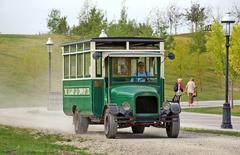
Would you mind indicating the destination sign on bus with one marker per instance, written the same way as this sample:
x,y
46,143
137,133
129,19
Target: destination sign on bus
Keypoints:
x,y
76,91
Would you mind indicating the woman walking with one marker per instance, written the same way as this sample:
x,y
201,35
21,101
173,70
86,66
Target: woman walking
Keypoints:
x,y
190,89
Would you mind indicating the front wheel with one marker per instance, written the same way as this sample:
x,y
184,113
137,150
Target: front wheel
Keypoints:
x,y
110,125
173,128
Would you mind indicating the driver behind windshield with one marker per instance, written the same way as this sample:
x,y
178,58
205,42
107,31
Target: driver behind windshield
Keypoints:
x,y
141,74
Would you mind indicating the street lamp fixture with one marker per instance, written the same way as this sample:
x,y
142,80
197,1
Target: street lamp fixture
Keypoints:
x,y
49,44
103,34
226,119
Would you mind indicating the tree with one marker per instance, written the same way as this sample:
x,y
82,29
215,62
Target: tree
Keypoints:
x,y
63,27
234,59
123,15
53,20
91,22
216,48
236,13
160,27
145,30
56,23
174,18
198,45
159,23
127,27
196,15
181,57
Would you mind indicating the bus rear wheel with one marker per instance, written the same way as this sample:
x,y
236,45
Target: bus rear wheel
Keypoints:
x,y
80,123
110,125
173,128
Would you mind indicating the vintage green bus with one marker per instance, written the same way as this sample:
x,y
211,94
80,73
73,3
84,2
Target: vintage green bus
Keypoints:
x,y
118,82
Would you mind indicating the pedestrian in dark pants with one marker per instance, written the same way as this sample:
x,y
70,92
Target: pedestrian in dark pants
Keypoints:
x,y
178,91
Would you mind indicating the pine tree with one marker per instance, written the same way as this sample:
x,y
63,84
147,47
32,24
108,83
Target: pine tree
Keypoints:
x,y
56,23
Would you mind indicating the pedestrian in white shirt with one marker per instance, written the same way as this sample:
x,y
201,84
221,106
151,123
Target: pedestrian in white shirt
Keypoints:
x,y
190,89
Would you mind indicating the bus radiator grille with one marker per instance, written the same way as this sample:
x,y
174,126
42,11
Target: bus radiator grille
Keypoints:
x,y
146,104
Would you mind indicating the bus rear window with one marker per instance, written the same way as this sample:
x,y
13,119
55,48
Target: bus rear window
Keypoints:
x,y
66,66
66,49
87,64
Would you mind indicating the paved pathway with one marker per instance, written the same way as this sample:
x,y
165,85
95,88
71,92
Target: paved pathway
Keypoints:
x,y
207,121
199,104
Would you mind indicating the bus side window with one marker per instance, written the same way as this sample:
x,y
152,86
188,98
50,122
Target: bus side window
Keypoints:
x,y
99,67
87,65
80,65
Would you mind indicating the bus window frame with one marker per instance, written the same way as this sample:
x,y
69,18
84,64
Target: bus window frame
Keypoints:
x,y
157,76
77,52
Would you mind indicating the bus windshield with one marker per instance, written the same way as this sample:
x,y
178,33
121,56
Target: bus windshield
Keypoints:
x,y
134,69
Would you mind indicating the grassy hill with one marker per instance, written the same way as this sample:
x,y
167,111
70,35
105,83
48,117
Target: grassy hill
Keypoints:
x,y
24,70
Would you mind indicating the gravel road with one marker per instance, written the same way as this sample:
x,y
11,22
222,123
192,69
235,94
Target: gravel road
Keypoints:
x,y
153,141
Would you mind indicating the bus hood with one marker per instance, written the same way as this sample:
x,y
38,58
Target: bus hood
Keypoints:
x,y
121,94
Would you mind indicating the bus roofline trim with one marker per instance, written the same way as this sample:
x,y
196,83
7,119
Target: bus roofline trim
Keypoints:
x,y
82,79
128,54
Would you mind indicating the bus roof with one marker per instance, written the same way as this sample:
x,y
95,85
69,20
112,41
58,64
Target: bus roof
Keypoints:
x,y
117,39
130,39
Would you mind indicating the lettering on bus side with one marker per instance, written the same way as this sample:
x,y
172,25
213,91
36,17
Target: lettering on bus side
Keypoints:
x,y
76,91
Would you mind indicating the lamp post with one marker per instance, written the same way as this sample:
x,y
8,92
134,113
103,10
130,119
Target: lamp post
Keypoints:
x,y
49,44
226,119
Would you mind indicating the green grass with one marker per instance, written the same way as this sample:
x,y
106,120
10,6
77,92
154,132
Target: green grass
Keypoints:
x,y
24,69
25,141
217,132
235,111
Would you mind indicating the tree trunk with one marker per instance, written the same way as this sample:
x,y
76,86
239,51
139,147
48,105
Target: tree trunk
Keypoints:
x,y
192,27
196,25
175,28
170,29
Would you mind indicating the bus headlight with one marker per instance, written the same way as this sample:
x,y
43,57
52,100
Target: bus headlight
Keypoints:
x,y
126,106
166,105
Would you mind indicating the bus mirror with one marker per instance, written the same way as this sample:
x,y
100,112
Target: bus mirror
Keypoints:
x,y
171,55
96,55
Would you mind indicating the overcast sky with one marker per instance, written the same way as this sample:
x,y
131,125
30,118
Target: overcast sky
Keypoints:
x,y
30,16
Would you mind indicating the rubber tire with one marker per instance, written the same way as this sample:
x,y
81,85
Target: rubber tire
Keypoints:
x,y
138,129
83,125
173,128
76,121
110,125
80,123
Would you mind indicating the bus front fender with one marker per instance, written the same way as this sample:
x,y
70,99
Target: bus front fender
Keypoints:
x,y
115,109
